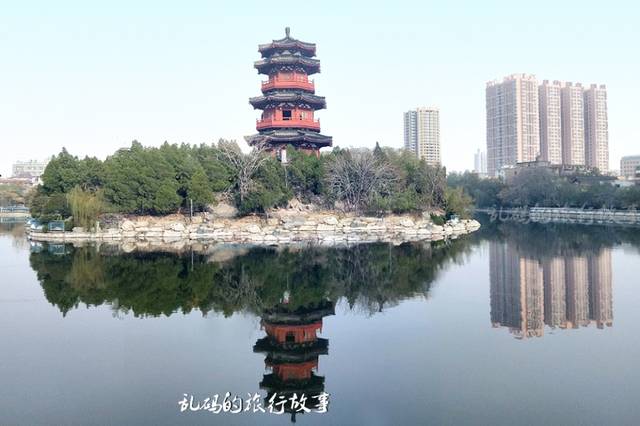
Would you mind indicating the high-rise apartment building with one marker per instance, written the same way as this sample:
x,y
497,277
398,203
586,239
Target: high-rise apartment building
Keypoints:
x,y
562,123
480,163
422,134
573,124
550,96
596,137
513,133
629,165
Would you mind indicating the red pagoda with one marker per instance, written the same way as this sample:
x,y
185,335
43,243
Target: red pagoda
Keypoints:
x,y
288,98
293,347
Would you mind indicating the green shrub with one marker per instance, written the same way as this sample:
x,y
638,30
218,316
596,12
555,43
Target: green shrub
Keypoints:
x,y
437,219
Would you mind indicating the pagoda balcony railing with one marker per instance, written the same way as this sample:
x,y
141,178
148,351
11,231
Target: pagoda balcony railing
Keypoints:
x,y
268,123
289,83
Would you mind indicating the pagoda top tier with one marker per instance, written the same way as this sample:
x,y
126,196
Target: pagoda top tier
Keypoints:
x,y
289,44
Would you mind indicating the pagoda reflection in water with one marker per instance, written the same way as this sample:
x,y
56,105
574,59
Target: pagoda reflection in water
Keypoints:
x,y
565,291
292,349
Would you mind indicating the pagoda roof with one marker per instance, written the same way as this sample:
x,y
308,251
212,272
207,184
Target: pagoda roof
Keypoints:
x,y
311,386
287,43
287,59
306,99
278,353
290,136
300,316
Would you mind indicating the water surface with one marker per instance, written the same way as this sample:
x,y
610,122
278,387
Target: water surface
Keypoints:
x,y
516,324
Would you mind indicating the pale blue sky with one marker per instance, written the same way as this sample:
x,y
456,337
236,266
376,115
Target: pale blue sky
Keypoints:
x,y
94,77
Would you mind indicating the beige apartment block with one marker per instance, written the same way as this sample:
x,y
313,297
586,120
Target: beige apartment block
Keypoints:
x,y
596,138
513,122
629,165
422,134
573,124
550,95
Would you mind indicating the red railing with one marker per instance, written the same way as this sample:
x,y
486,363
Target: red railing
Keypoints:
x,y
305,124
289,83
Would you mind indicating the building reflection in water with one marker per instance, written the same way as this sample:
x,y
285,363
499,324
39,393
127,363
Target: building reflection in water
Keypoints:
x,y
567,291
292,349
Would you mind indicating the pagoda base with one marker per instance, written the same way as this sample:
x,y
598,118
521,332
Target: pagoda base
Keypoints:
x,y
276,140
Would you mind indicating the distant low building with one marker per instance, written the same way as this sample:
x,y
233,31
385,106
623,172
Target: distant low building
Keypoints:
x,y
629,166
575,173
30,169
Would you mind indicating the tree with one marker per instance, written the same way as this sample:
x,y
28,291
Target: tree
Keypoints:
x,y
198,190
85,206
305,174
61,174
140,180
242,167
458,203
529,187
356,178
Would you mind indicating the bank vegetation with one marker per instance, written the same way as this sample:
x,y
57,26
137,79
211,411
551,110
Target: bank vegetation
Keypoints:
x,y
177,178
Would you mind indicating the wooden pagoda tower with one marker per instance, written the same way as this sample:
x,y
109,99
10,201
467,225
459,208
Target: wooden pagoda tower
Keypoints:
x,y
288,100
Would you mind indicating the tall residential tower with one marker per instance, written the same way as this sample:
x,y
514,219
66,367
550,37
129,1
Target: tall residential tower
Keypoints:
x,y
573,125
596,137
422,134
550,94
513,122
561,123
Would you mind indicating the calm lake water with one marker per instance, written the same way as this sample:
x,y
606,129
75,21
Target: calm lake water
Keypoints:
x,y
515,324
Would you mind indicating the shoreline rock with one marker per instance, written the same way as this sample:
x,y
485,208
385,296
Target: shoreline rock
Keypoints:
x,y
285,228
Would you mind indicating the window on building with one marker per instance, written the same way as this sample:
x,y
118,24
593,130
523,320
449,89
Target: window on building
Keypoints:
x,y
286,114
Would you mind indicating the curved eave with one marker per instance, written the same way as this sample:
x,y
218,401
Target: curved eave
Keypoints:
x,y
305,100
307,49
311,66
290,136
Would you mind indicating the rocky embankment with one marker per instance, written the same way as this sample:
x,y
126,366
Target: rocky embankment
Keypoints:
x,y
281,228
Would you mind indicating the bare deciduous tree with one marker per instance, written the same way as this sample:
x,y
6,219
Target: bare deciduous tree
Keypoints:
x,y
243,166
354,177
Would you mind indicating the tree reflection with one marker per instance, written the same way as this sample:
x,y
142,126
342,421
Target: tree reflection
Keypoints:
x,y
370,277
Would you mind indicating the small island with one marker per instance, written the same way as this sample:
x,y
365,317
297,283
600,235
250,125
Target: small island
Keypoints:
x,y
184,194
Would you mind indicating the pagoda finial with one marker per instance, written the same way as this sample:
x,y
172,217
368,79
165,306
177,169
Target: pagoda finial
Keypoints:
x,y
287,30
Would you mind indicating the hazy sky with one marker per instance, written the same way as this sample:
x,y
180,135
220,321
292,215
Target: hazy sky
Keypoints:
x,y
94,77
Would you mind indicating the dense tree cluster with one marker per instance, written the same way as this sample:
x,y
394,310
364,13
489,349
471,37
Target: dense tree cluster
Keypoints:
x,y
540,187
157,181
